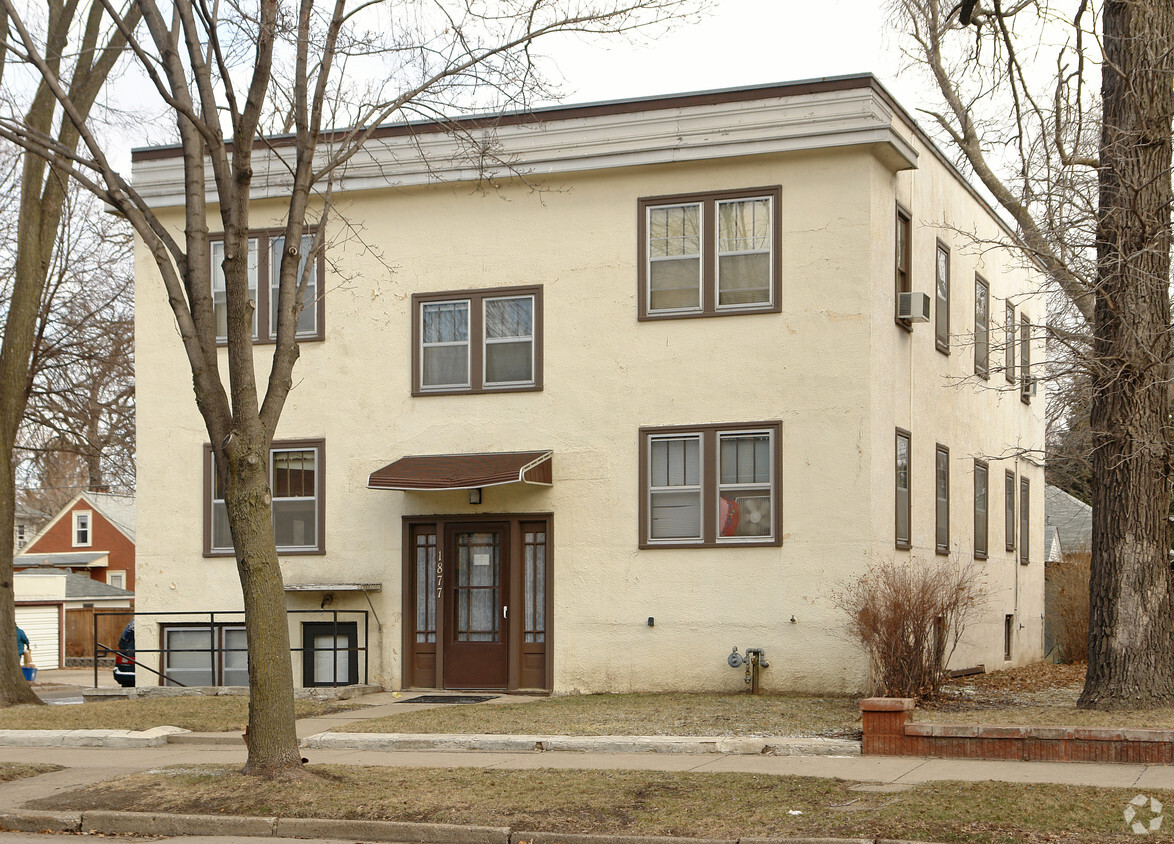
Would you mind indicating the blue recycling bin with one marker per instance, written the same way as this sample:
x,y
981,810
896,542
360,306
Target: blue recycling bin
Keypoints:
x,y
30,672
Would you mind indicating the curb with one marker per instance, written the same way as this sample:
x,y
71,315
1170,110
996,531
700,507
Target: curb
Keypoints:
x,y
154,737
768,746
157,823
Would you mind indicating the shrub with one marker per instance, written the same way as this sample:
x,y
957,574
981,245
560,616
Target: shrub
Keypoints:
x,y
1066,606
909,617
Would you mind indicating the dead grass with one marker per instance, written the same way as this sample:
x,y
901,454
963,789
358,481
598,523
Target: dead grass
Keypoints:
x,y
1040,695
636,803
635,714
201,714
10,771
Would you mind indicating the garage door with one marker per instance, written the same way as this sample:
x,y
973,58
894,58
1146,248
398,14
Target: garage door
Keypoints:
x,y
40,624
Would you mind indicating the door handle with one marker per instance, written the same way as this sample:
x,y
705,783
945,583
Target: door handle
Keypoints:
x,y
505,611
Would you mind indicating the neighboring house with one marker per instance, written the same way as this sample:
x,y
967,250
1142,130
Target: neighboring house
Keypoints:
x,y
44,596
93,535
1067,552
25,526
588,429
1067,524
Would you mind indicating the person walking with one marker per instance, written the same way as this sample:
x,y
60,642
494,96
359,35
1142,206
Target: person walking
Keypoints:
x,y
23,643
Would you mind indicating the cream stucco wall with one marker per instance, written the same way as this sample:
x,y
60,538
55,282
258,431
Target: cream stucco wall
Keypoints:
x,y
831,367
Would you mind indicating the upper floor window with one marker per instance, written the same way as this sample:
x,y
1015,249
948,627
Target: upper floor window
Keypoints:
x,y
942,288
295,484
477,341
709,485
902,489
709,254
1009,369
904,250
982,327
1009,509
980,509
1026,385
264,262
82,527
22,537
1024,520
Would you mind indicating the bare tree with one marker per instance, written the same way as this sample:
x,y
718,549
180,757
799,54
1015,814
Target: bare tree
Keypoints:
x,y
1066,120
81,379
228,77
42,191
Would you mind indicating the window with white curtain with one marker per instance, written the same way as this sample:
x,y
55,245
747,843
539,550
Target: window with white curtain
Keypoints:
x,y
476,341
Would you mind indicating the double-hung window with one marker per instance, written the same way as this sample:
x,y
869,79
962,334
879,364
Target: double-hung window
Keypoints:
x,y
1025,379
942,513
1024,520
82,526
477,341
942,308
709,254
904,250
1009,509
1009,369
901,485
265,250
710,485
296,487
980,509
982,327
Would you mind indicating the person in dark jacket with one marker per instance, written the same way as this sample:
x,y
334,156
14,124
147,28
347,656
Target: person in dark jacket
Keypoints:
x,y
22,642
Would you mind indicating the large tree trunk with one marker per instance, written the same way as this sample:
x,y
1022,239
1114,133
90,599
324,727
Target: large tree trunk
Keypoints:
x,y
272,737
1131,636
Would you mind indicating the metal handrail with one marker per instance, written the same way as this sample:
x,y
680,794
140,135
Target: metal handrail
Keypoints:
x,y
212,624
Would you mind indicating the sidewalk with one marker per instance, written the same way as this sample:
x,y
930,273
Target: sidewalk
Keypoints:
x,y
88,765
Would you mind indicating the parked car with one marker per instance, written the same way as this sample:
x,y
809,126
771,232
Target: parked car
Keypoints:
x,y
124,657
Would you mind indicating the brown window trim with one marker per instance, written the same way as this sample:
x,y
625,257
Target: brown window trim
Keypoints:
x,y
903,283
982,369
262,236
983,529
1024,520
941,343
907,543
708,201
477,299
709,485
1025,359
1009,486
318,445
939,547
1009,363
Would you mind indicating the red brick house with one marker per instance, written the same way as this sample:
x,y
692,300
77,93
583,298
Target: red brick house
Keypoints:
x,y
93,535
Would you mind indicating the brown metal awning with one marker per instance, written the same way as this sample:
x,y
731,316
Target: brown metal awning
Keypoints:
x,y
464,471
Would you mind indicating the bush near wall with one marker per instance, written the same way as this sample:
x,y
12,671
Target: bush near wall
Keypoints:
x,y
1066,605
909,616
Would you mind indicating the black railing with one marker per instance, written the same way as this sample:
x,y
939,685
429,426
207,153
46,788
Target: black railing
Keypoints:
x,y
220,620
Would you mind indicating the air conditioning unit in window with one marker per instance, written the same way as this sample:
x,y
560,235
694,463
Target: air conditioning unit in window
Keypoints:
x,y
913,307
1028,385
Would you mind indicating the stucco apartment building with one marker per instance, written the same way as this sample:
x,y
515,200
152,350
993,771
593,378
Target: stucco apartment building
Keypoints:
x,y
589,427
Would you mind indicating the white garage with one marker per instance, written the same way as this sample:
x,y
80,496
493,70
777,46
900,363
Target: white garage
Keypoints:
x,y
42,624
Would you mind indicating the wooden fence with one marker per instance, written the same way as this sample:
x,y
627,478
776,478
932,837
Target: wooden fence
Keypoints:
x,y
79,630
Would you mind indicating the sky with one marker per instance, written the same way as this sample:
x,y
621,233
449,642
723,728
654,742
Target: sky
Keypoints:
x,y
738,43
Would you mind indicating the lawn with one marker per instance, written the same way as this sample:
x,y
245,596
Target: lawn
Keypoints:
x,y
636,803
205,713
1035,695
635,714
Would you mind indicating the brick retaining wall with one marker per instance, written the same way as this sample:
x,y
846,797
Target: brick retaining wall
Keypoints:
x,y
889,731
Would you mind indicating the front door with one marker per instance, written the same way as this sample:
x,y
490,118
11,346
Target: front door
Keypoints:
x,y
476,612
